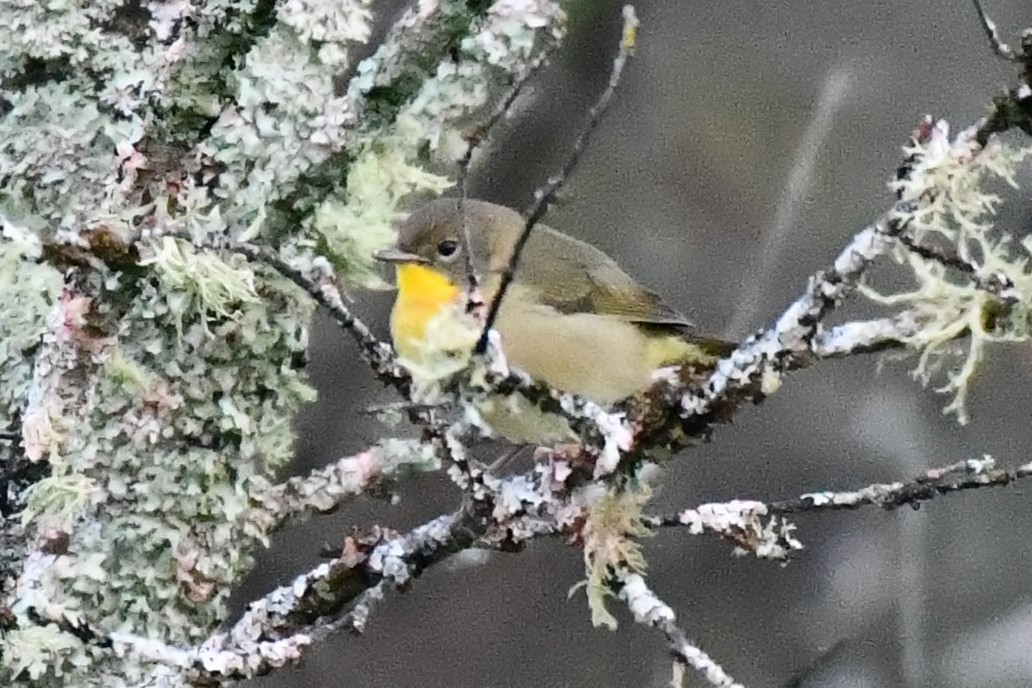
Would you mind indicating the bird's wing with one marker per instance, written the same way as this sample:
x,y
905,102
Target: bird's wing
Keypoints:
x,y
591,282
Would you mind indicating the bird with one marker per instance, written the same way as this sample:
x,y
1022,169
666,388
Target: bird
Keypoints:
x,y
571,317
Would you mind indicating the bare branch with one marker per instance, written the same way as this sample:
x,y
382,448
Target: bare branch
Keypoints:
x,y
546,193
1001,49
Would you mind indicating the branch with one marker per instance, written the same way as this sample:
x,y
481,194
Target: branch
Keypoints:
x,y
545,194
754,369
332,596
965,475
325,489
866,336
1001,49
797,338
473,141
341,593
650,610
755,527
997,283
322,289
740,522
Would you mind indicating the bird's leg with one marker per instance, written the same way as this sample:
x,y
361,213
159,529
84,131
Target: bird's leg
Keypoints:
x,y
507,457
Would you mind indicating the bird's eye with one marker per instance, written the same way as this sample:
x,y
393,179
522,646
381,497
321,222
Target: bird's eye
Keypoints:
x,y
447,248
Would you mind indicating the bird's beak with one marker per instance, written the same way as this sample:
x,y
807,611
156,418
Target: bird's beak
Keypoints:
x,y
396,255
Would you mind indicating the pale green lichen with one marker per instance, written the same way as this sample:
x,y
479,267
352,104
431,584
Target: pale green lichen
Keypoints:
x,y
63,499
30,291
612,526
68,30
953,207
381,176
331,25
285,123
458,91
201,283
205,420
32,650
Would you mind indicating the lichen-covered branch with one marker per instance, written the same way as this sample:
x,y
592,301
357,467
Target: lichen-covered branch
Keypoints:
x,y
647,608
168,177
966,475
760,528
318,281
325,489
276,629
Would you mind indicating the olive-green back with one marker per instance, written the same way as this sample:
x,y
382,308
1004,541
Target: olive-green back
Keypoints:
x,y
586,280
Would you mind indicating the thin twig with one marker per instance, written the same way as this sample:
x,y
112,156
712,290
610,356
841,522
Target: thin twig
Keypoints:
x,y
999,47
997,284
402,407
545,194
966,475
473,141
690,654
650,610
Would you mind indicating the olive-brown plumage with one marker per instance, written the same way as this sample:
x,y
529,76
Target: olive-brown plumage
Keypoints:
x,y
571,318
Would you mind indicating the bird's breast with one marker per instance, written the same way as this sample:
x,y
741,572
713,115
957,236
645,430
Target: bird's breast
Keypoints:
x,y
602,358
423,293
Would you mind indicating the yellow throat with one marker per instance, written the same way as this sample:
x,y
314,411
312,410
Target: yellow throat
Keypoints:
x,y
422,293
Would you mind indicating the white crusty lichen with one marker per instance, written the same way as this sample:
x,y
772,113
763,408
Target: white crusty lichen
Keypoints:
x,y
746,523
948,203
156,438
30,291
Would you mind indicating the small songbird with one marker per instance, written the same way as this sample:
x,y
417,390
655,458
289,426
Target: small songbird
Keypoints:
x,y
571,317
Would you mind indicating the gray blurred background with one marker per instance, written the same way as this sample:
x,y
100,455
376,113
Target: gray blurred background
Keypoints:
x,y
684,183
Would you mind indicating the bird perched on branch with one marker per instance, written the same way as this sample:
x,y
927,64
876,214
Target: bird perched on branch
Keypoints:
x,y
571,318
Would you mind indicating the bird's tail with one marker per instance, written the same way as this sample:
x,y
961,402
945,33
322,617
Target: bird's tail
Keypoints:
x,y
713,346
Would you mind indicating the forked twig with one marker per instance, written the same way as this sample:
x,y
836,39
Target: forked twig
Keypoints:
x,y
476,138
545,194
